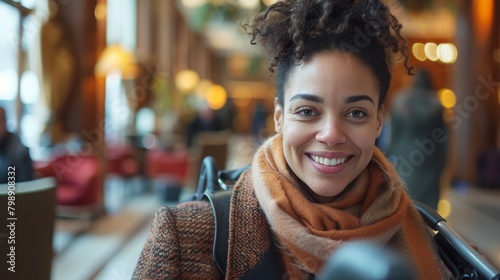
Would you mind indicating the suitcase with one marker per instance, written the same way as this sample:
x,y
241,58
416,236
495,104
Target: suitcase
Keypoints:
x,y
488,169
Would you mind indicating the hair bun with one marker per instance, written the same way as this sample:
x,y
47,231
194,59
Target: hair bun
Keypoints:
x,y
291,27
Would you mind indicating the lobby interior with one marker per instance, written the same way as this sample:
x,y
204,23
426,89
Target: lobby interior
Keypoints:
x,y
102,92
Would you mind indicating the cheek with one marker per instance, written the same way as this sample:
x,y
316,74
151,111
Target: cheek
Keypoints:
x,y
364,139
297,133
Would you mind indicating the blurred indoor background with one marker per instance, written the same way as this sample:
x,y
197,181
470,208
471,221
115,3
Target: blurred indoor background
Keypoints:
x,y
110,96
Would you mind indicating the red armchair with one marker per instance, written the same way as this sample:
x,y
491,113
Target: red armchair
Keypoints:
x,y
78,180
173,164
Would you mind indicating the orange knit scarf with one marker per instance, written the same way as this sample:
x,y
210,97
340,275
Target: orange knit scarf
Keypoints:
x,y
375,207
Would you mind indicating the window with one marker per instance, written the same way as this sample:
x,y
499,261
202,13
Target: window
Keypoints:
x,y
20,89
120,31
9,72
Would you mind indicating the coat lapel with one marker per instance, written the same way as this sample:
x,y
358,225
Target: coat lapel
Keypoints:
x,y
249,233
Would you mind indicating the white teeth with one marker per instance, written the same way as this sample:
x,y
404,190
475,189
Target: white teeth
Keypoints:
x,y
327,161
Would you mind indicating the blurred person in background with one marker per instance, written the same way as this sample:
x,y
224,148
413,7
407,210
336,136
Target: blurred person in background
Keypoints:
x,y
13,154
419,140
206,120
259,122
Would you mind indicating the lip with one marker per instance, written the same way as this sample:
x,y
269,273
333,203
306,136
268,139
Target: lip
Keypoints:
x,y
330,169
330,154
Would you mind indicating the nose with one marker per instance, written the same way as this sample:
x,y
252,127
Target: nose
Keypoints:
x,y
331,132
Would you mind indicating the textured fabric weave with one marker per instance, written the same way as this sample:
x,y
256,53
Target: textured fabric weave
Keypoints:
x,y
179,245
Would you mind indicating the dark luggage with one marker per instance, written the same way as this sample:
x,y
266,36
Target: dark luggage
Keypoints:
x,y
488,169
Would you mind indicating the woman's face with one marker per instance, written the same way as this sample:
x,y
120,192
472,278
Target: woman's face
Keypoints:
x,y
329,121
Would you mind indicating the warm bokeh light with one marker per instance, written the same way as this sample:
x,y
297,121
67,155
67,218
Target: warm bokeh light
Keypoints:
x,y
242,102
418,51
191,4
216,97
430,50
241,96
238,64
100,11
117,58
447,53
447,97
202,88
483,12
186,80
269,2
249,4
444,208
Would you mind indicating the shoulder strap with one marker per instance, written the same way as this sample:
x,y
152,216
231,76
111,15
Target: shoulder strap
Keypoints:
x,y
220,201
217,187
269,267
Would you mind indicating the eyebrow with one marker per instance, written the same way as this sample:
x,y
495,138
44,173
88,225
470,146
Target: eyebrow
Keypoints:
x,y
356,98
309,97
317,99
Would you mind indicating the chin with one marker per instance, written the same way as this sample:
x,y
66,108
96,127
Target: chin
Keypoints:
x,y
326,194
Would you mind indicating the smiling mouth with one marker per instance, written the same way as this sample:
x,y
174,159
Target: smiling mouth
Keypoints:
x,y
328,161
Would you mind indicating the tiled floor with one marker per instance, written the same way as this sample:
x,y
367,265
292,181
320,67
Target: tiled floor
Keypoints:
x,y
109,249
84,254
475,215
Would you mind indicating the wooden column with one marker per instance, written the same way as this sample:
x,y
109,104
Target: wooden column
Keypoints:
x,y
85,109
476,85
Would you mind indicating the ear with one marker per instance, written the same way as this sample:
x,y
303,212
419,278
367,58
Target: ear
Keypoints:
x,y
278,117
380,120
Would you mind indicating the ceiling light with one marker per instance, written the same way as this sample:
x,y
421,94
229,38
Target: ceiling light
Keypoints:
x,y
447,53
269,2
447,97
192,4
186,80
216,97
418,51
249,4
430,50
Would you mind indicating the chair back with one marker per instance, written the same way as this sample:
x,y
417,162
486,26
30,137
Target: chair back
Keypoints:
x,y
27,229
209,143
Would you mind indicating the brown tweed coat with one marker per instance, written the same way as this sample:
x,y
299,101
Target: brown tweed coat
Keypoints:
x,y
180,243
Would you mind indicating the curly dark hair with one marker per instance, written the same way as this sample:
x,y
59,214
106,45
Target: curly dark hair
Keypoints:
x,y
291,31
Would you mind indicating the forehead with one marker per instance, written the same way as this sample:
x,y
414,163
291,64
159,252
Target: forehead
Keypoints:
x,y
332,73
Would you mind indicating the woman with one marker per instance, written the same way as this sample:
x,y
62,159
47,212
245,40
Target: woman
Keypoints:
x,y
319,181
419,128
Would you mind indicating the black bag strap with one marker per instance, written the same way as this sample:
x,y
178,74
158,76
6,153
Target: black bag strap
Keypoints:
x,y
220,202
208,181
269,267
217,187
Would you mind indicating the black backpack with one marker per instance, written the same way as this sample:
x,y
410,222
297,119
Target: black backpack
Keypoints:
x,y
217,187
